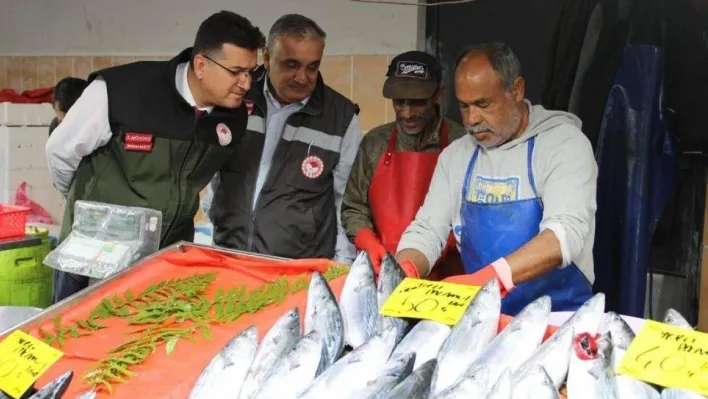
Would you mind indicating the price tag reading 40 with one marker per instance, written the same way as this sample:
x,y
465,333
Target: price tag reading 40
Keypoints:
x,y
431,300
23,359
668,356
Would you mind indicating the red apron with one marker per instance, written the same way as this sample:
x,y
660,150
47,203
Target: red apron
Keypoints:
x,y
398,189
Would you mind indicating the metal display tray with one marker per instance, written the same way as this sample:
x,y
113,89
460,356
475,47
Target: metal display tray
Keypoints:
x,y
60,307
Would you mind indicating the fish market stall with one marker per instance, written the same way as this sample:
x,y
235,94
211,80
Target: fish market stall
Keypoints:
x,y
105,316
200,322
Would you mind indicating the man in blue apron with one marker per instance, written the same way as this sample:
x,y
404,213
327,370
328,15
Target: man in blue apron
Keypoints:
x,y
518,190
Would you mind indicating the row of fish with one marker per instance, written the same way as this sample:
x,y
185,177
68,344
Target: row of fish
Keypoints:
x,y
396,358
346,349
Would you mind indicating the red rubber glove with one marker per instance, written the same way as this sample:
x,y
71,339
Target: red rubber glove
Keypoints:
x,y
481,277
366,240
410,269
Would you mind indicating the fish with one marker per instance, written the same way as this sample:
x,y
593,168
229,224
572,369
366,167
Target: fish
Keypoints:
x,y
300,367
227,370
355,369
620,335
390,277
468,338
503,388
553,355
630,388
588,317
417,384
676,393
393,372
322,315
56,388
676,319
282,338
474,383
425,339
518,340
358,302
589,375
536,384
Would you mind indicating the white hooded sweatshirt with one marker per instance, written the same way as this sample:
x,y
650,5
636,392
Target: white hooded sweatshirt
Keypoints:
x,y
565,173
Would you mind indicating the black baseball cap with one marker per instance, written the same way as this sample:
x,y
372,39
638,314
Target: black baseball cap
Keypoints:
x,y
412,75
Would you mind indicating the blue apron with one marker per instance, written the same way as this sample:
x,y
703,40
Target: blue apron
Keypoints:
x,y
490,231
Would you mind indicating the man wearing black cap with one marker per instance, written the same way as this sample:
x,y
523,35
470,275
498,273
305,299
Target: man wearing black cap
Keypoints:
x,y
392,170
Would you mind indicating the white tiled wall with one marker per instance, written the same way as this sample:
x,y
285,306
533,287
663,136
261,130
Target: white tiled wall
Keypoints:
x,y
24,129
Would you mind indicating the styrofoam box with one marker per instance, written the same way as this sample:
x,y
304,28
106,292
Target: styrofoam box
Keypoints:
x,y
25,146
26,114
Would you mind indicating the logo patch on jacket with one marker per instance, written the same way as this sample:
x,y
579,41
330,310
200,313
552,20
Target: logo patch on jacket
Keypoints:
x,y
224,134
490,190
249,106
412,69
312,167
138,142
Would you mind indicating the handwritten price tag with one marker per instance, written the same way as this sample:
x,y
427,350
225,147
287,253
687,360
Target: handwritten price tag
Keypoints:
x,y
23,359
431,300
668,356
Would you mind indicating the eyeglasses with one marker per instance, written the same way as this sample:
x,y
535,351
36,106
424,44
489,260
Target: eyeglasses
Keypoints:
x,y
238,72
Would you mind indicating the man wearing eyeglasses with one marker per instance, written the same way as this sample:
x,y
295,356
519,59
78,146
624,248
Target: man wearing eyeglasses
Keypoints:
x,y
152,134
282,194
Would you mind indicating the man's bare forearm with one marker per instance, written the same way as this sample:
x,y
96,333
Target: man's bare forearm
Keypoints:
x,y
417,258
536,258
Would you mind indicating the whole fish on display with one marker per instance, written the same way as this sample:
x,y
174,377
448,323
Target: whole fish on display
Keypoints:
x,y
299,368
518,340
282,338
468,338
398,368
590,374
474,383
674,318
536,384
620,335
322,315
355,369
553,355
227,371
358,302
390,277
416,385
425,339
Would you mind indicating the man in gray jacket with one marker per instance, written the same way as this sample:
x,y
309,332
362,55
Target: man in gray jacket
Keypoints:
x,y
282,194
518,191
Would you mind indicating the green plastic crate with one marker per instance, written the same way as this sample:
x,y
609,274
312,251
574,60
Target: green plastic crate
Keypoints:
x,y
24,279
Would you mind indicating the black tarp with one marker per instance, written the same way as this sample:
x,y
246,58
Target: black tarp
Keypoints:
x,y
525,25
